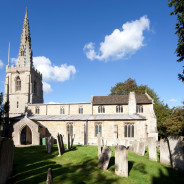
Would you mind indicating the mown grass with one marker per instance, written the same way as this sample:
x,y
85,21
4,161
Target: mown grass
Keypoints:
x,y
80,166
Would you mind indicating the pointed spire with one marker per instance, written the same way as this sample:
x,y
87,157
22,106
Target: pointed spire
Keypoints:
x,y
25,51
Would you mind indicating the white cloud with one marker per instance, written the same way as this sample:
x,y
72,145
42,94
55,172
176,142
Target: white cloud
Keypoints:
x,y
53,102
46,87
14,61
172,100
51,72
1,64
120,43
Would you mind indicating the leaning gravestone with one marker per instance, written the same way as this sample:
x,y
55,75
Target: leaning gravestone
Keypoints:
x,y
62,143
99,146
152,148
105,158
49,176
59,145
68,141
121,161
141,149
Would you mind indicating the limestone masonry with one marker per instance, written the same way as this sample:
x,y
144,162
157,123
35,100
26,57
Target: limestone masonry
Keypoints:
x,y
115,118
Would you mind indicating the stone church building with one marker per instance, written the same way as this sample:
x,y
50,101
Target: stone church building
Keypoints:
x,y
115,118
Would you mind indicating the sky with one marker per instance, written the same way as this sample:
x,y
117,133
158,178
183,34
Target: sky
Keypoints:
x,y
84,47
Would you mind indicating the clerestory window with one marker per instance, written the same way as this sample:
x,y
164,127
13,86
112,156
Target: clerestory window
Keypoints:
x,y
37,111
139,109
119,109
101,109
80,110
62,111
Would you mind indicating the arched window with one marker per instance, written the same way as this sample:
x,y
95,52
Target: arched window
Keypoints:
x,y
129,130
69,128
101,109
80,110
18,84
98,129
119,109
62,111
37,111
35,87
139,109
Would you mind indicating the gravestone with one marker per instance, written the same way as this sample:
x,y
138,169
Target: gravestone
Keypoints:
x,y
62,143
68,141
71,140
49,176
172,151
59,145
49,144
152,148
141,149
135,146
121,161
99,146
105,158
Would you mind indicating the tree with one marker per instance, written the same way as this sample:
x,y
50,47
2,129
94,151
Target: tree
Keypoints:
x,y
162,111
179,12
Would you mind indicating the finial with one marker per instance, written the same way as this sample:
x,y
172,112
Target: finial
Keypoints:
x,y
26,13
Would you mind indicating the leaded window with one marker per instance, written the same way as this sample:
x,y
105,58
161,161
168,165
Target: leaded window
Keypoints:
x,y
129,130
119,109
98,129
139,109
69,128
101,109
80,110
18,84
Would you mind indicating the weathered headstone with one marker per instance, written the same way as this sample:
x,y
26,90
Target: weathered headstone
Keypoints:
x,y
99,146
71,140
141,149
62,143
49,144
68,141
135,146
172,152
152,148
105,158
49,176
121,161
59,145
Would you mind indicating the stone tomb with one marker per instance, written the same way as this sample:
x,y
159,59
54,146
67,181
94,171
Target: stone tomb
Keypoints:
x,y
105,158
152,148
121,161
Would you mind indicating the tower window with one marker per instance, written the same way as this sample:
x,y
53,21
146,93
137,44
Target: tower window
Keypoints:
x,y
62,111
80,110
139,109
119,109
22,53
101,109
17,104
18,84
129,130
37,111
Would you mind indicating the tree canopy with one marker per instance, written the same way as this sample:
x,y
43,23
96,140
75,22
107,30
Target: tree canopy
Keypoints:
x,y
179,12
169,121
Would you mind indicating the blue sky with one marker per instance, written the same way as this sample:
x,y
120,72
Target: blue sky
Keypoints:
x,y
84,45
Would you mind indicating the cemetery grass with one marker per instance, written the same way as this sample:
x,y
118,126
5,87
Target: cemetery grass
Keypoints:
x,y
80,166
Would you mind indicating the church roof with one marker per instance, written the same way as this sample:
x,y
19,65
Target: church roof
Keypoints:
x,y
120,99
89,117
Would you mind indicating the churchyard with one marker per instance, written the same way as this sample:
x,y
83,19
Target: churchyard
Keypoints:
x,y
80,165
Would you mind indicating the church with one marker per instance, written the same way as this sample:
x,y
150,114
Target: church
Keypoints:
x,y
116,118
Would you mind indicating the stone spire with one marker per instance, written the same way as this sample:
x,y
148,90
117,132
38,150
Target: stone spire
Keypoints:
x,y
25,51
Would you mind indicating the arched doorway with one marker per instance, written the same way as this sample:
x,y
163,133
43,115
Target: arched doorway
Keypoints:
x,y
26,136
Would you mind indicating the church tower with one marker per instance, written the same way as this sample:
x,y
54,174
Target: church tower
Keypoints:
x,y
23,83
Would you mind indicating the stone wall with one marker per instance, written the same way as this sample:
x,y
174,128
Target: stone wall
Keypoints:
x,y
6,158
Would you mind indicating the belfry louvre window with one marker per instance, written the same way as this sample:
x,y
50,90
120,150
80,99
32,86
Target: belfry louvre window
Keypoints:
x,y
101,109
98,129
119,109
69,128
129,130
80,110
18,84
62,111
139,109
37,110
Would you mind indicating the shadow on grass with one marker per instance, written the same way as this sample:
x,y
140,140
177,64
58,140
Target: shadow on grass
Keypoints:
x,y
31,165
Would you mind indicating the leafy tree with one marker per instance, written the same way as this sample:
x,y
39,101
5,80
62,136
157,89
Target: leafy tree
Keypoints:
x,y
165,115
179,12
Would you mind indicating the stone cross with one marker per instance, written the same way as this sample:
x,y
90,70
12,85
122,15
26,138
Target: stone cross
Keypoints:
x,y
49,176
105,158
121,161
152,148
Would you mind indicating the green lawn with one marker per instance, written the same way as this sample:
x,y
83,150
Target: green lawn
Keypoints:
x,y
80,166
